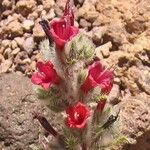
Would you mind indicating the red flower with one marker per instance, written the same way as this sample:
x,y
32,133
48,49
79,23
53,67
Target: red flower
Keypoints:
x,y
77,116
62,30
46,75
98,76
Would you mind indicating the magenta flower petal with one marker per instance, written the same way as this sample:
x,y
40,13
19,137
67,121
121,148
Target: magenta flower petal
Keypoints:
x,y
62,32
89,84
105,81
37,78
77,116
46,75
98,76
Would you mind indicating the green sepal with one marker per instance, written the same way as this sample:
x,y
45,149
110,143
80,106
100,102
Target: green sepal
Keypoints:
x,y
70,140
53,98
79,48
42,94
82,76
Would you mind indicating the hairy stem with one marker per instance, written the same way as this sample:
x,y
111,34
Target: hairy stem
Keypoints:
x,y
84,146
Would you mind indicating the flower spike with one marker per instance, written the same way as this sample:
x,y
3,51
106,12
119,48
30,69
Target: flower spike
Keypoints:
x,y
77,116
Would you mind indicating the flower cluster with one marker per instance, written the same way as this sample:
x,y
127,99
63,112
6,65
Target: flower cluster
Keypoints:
x,y
61,85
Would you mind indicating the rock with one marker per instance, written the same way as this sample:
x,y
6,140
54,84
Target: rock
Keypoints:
x,y
33,65
15,51
29,45
20,56
1,50
50,15
38,32
14,44
43,13
134,116
7,4
58,10
144,80
28,25
104,49
88,12
33,16
117,81
143,55
7,53
98,53
7,13
1,58
91,16
4,67
39,9
101,20
136,26
114,95
18,130
20,41
144,41
26,61
60,3
14,131
48,4
25,7
14,28
79,1
5,43
84,24
97,33
141,142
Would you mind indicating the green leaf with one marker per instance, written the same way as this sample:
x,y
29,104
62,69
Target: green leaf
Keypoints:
x,y
53,98
70,140
79,48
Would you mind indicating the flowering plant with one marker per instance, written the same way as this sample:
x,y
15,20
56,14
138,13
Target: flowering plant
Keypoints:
x,y
77,116
75,84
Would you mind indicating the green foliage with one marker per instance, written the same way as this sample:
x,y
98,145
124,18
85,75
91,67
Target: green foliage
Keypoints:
x,y
70,140
82,76
98,97
42,94
79,48
120,140
53,98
